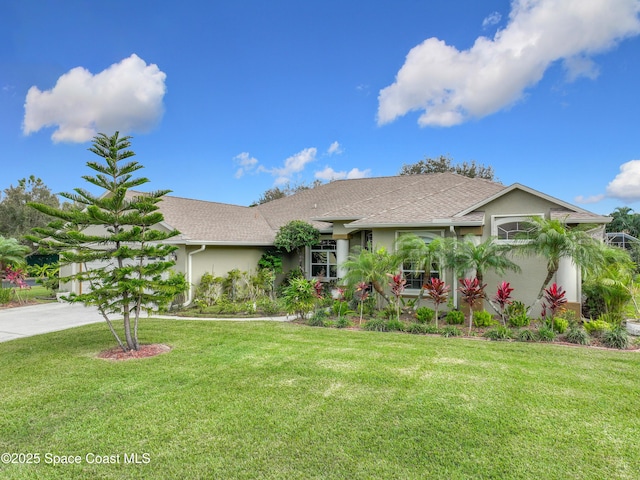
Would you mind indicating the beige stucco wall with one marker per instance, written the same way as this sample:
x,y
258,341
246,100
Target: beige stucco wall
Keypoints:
x,y
219,260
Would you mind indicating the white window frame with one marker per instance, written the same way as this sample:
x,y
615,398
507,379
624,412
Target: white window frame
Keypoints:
x,y
328,264
497,220
432,234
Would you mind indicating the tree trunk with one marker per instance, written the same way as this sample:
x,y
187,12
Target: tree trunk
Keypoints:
x,y
379,289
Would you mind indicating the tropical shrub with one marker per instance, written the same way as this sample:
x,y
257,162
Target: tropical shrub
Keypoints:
x,y
376,324
516,307
554,299
318,318
455,317
499,333
6,295
520,320
299,297
397,284
267,306
343,322
546,334
482,318
616,337
560,324
395,325
424,314
210,290
578,335
525,335
417,328
503,299
471,291
438,292
596,327
451,331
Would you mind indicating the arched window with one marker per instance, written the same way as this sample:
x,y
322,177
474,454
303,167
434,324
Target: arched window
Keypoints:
x,y
511,228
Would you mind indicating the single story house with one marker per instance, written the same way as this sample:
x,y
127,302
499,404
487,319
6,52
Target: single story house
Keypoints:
x,y
218,237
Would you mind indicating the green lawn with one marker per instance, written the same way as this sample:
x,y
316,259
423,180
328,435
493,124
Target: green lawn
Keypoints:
x,y
279,400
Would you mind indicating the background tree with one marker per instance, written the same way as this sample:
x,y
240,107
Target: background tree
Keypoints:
x,y
280,192
121,240
11,253
296,235
624,221
16,217
444,164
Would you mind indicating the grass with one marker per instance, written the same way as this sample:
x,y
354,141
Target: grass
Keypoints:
x,y
280,400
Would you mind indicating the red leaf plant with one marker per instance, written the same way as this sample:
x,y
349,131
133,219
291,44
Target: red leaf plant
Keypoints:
x,y
471,290
554,299
397,285
438,292
503,298
362,293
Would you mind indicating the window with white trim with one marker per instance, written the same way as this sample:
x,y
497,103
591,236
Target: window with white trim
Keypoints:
x,y
417,278
511,228
324,260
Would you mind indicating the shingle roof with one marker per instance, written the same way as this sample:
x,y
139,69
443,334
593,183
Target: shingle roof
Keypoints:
x,y
410,200
202,221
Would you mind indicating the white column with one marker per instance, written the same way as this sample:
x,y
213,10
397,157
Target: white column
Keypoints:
x,y
568,277
342,252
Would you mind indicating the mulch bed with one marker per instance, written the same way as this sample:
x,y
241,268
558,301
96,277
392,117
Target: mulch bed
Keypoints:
x,y
144,351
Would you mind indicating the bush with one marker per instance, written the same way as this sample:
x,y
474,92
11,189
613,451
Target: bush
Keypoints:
x,y
343,322
451,331
341,309
376,325
6,295
424,314
596,327
560,324
515,308
546,334
525,335
616,337
432,329
455,317
519,320
482,318
394,325
417,328
317,319
268,307
578,335
499,333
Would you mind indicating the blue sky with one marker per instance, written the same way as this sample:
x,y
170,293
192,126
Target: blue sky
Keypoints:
x,y
227,99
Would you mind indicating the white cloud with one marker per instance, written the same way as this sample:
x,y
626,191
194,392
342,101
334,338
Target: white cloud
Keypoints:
x,y
580,66
294,164
334,148
590,199
493,19
453,86
329,174
246,163
626,185
127,96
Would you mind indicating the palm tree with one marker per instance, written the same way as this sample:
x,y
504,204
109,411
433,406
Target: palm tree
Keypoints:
x,y
11,253
465,255
553,239
363,265
419,254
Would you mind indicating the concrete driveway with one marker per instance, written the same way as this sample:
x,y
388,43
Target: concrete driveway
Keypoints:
x,y
31,320
21,322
